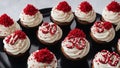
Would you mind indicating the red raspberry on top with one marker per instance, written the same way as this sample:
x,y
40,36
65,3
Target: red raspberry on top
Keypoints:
x,y
85,7
44,56
107,25
6,20
63,6
30,10
20,33
114,6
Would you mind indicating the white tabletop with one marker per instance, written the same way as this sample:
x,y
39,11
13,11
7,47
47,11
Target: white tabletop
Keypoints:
x,y
14,7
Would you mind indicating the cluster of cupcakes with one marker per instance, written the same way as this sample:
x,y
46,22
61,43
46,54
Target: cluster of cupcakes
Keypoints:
x,y
74,46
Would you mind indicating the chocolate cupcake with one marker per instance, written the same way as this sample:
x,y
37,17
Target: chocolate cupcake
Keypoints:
x,y
102,32
7,26
105,59
75,46
49,33
16,44
30,17
42,58
62,14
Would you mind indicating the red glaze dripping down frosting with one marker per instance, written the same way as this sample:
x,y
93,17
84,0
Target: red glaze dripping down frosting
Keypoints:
x,y
17,35
101,26
85,7
30,10
110,58
63,6
6,20
76,37
44,56
114,6
49,28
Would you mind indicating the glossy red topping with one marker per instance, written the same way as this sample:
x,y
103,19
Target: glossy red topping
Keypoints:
x,y
85,6
101,26
114,6
76,33
6,20
30,10
110,58
63,6
17,35
49,28
44,56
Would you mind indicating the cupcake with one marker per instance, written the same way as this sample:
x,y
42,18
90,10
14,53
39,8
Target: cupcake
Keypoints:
x,y
30,17
84,13
102,32
105,59
111,13
16,44
49,33
118,46
7,26
42,58
75,45
62,14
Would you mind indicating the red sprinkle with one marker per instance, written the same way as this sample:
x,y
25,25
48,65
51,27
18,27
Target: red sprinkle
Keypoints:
x,y
21,34
114,6
107,25
76,33
44,56
30,10
64,6
85,6
6,20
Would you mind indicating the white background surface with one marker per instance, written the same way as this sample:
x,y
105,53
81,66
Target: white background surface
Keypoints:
x,y
14,7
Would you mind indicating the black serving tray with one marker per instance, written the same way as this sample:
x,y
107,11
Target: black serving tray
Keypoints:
x,y
86,62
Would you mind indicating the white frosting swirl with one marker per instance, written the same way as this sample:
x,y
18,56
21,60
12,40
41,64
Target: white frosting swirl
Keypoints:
x,y
48,37
4,31
98,64
113,17
61,16
32,63
20,46
31,21
106,36
74,52
89,16
118,44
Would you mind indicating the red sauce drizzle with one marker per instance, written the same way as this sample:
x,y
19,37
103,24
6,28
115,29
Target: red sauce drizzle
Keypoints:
x,y
6,20
44,56
85,6
63,6
30,10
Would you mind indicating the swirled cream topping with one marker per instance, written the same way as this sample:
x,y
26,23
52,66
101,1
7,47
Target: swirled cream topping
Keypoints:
x,y
103,31
118,44
75,44
61,16
46,60
105,59
16,43
85,12
31,21
113,17
49,32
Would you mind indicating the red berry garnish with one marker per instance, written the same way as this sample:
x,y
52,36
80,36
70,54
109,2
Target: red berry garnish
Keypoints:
x,y
30,10
107,25
77,33
114,6
6,20
44,56
85,6
20,34
63,6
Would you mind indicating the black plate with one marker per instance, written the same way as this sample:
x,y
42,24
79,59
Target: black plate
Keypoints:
x,y
8,62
